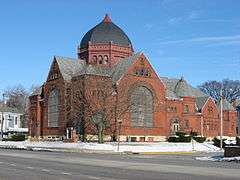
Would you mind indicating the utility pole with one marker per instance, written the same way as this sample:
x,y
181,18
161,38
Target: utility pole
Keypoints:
x,y
3,105
202,126
221,119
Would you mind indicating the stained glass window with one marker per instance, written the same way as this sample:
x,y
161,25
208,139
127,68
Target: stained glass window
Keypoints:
x,y
53,108
142,107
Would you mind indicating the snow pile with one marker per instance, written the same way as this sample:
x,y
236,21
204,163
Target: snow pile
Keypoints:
x,y
230,142
219,158
113,147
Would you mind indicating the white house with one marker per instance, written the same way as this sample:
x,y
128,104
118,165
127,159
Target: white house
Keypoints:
x,y
12,121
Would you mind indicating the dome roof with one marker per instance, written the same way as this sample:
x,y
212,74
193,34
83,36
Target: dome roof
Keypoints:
x,y
105,32
182,89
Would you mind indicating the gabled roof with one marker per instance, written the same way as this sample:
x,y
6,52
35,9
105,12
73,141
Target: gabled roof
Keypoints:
x,y
225,105
120,68
69,66
201,101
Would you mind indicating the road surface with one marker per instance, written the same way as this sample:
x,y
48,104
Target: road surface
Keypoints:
x,y
32,165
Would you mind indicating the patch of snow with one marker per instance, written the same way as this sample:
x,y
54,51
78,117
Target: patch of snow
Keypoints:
x,y
218,158
125,146
229,142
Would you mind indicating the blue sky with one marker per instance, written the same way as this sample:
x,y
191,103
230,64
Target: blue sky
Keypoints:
x,y
197,39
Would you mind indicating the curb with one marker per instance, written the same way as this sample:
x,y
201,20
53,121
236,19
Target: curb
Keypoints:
x,y
72,150
168,153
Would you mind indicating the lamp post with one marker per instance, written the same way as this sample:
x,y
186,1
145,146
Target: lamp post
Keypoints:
x,y
119,133
3,105
221,118
115,93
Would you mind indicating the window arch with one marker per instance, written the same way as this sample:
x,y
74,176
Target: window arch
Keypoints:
x,y
142,107
94,59
105,59
53,108
175,126
100,59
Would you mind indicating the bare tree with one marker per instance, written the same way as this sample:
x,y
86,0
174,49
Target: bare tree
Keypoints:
x,y
231,89
97,107
17,97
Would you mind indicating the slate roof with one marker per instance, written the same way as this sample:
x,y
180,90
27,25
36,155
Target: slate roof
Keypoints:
x,y
105,32
226,105
93,70
179,87
69,66
73,67
37,91
119,69
237,102
9,109
200,101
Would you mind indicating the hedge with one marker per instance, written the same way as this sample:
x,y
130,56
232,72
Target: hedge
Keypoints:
x,y
238,140
180,137
199,139
216,142
17,137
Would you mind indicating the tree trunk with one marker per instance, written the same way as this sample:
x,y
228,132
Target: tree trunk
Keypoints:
x,y
83,130
100,134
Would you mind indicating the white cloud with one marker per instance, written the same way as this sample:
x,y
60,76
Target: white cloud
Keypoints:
x,y
192,15
223,40
174,20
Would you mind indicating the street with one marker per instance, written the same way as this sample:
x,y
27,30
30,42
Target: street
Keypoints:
x,y
21,165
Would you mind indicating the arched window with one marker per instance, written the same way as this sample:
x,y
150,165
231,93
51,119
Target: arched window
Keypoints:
x,y
100,59
94,59
142,107
175,127
105,59
53,108
186,108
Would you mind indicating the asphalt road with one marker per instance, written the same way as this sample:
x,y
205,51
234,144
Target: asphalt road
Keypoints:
x,y
29,165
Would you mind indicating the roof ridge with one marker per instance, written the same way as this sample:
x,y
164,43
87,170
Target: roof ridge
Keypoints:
x,y
67,58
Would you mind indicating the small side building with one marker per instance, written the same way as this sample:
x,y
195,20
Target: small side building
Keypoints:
x,y
12,120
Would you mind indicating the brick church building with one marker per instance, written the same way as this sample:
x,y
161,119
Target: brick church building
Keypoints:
x,y
112,88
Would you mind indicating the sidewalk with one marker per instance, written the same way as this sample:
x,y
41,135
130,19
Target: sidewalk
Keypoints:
x,y
127,148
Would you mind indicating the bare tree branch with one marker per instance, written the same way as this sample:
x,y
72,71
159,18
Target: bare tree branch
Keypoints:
x,y
231,89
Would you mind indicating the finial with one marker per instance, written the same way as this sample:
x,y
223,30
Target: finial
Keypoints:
x,y
182,78
107,19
